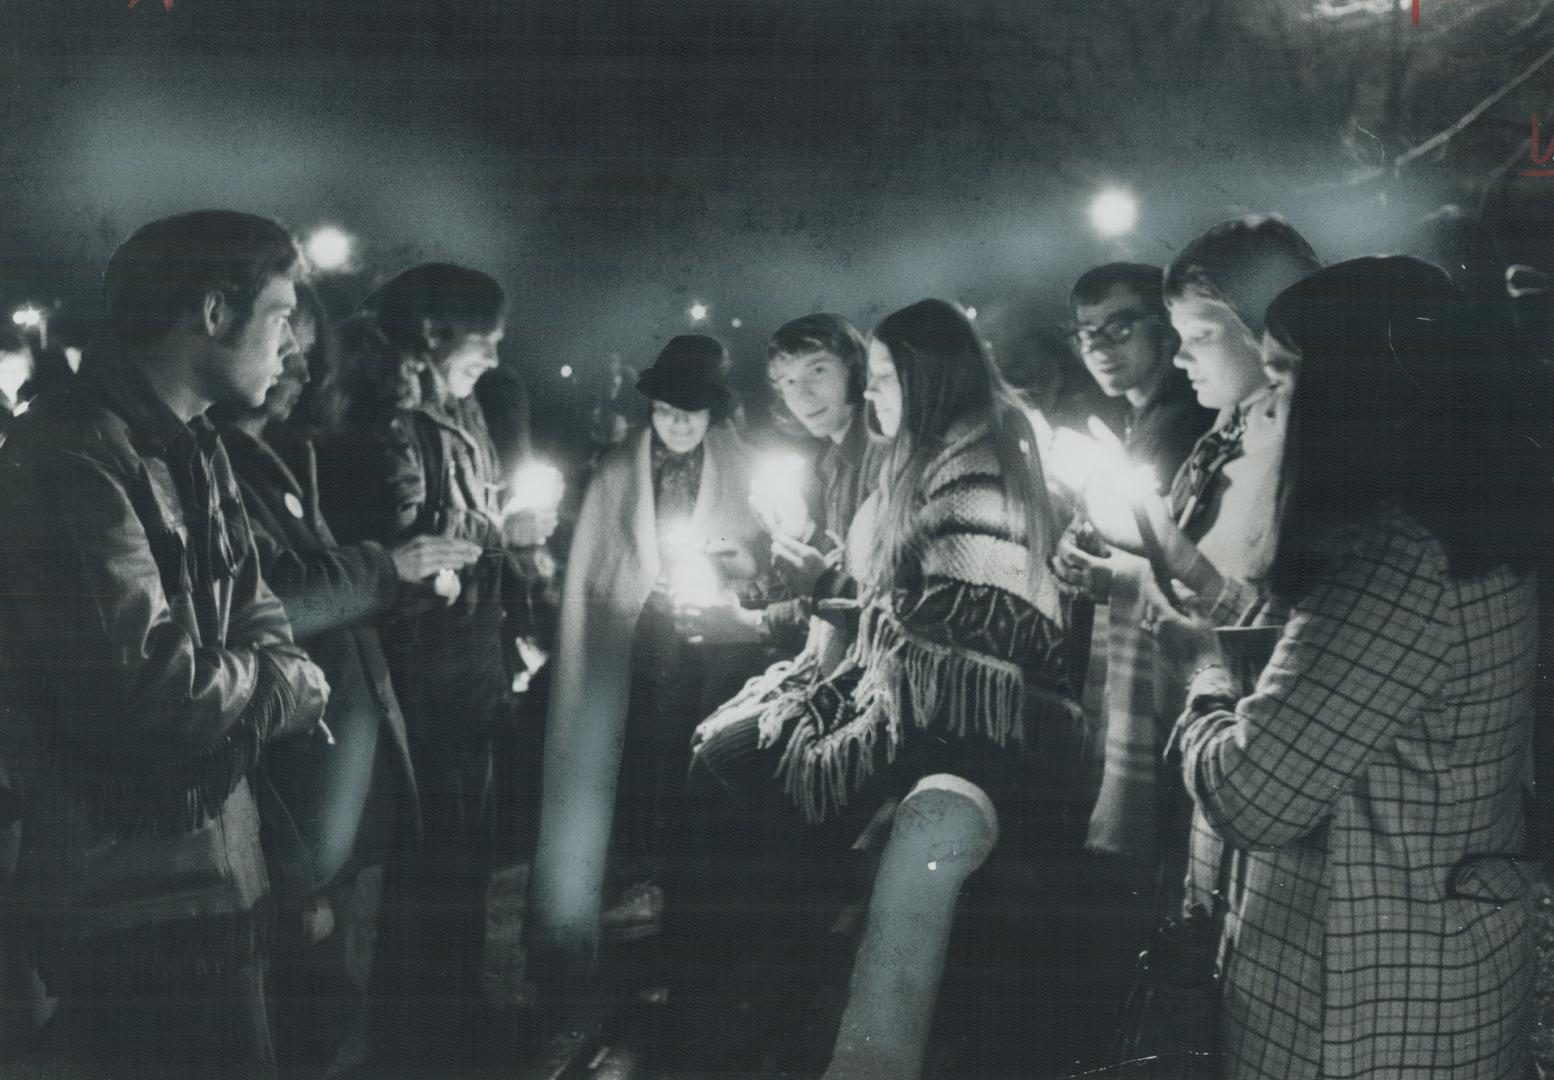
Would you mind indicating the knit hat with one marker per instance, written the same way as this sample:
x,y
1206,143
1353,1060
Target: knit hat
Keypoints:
x,y
688,374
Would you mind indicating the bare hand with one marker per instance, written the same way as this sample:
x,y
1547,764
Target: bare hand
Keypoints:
x,y
528,527
805,564
720,624
1078,570
418,559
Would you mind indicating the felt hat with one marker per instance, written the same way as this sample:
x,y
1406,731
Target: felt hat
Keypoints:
x,y
688,374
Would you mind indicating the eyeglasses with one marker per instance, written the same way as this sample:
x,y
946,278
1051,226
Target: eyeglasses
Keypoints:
x,y
1117,330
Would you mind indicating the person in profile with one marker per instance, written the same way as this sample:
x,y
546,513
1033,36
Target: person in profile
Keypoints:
x,y
149,667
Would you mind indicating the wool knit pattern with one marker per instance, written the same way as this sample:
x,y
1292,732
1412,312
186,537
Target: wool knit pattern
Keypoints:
x,y
970,646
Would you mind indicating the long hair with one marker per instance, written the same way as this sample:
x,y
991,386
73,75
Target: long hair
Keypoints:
x,y
318,410
384,347
946,375
1397,402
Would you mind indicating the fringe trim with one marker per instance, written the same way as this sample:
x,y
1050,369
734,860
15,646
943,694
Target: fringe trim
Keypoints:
x,y
773,697
962,691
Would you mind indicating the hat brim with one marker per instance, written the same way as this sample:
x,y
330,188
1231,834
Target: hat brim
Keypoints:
x,y
687,394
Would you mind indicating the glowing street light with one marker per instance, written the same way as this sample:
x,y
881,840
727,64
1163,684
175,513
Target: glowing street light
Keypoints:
x,y
698,312
28,316
1114,212
566,371
329,248
736,323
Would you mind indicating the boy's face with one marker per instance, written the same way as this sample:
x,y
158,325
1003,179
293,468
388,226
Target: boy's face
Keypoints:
x,y
813,387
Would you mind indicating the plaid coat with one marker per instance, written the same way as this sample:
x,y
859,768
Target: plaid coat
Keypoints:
x,y
1387,738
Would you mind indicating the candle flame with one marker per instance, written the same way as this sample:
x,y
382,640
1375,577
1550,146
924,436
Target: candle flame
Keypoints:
x,y
536,485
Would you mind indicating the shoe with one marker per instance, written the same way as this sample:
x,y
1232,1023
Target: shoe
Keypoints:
x,y
639,913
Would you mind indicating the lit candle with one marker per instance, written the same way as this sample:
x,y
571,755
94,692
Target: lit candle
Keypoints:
x,y
693,579
777,493
536,485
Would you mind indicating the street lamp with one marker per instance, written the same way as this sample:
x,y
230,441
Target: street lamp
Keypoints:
x,y
1114,212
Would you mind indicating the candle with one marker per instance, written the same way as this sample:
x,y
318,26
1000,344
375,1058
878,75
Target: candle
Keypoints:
x,y
693,579
777,493
535,485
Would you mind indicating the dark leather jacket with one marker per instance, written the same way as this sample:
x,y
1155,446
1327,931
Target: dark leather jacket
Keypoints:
x,y
147,664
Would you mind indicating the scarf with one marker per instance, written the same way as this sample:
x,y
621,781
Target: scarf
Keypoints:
x,y
1127,812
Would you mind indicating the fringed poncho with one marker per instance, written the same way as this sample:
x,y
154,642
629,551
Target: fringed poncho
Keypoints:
x,y
972,649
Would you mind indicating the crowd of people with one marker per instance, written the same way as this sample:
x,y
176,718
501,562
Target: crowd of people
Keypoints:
x,y
281,592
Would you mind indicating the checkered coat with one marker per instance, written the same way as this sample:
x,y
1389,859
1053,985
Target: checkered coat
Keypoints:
x,y
1387,738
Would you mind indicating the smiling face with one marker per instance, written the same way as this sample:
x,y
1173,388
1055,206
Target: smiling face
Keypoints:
x,y
247,355
884,389
813,387
1218,352
462,362
1118,343
681,430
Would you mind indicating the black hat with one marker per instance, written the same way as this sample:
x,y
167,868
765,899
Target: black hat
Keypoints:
x,y
688,374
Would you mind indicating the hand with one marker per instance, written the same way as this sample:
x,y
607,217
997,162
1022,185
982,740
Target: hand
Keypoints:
x,y
1185,641
528,527
721,624
309,690
734,561
418,559
805,564
1078,570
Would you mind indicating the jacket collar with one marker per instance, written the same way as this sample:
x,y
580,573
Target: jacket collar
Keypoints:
x,y
154,429
247,452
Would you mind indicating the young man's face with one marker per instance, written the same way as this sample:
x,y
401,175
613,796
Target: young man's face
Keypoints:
x,y
813,387
1218,351
248,354
1118,342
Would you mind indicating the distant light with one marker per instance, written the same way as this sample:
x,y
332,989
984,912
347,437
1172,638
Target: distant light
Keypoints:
x,y
736,323
971,312
1114,212
28,316
329,248
566,371
698,312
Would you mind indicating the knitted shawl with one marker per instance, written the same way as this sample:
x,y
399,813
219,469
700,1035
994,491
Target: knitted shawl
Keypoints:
x,y
971,647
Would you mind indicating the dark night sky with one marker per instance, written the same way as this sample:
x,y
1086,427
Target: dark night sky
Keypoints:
x,y
611,163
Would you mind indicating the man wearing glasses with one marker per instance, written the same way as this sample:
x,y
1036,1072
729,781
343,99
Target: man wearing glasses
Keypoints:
x,y
1123,336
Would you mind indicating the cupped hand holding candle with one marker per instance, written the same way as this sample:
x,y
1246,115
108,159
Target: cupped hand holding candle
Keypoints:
x,y
534,497
777,486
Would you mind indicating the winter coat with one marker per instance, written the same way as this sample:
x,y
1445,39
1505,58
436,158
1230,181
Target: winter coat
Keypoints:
x,y
147,667
1373,781
331,593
